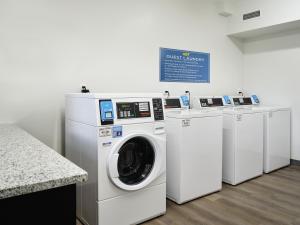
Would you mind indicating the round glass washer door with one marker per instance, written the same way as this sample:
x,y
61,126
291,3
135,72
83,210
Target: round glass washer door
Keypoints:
x,y
136,160
133,164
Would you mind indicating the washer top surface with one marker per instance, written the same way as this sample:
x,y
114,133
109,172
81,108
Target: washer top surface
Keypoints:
x,y
192,113
239,110
114,95
263,108
270,108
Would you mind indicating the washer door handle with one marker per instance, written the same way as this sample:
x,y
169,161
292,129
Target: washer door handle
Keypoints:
x,y
113,166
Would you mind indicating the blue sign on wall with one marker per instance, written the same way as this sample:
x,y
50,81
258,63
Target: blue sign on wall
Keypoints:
x,y
184,66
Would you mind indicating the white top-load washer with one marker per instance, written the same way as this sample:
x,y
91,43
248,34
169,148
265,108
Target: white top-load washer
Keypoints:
x,y
277,132
194,151
242,139
120,140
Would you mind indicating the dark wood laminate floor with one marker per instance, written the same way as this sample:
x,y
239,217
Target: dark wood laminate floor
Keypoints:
x,y
272,199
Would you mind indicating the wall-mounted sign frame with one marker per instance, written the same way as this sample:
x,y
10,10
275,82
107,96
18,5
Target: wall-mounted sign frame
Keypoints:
x,y
184,66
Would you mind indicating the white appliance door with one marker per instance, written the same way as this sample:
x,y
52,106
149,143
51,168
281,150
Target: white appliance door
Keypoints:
x,y
135,162
249,146
278,152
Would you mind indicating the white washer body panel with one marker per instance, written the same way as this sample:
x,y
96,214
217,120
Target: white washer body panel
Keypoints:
x,y
242,146
194,154
135,206
277,136
242,141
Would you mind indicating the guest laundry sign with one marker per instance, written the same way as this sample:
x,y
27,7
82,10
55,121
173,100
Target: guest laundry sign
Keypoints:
x,y
184,66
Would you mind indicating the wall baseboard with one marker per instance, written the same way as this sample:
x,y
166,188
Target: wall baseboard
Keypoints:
x,y
295,162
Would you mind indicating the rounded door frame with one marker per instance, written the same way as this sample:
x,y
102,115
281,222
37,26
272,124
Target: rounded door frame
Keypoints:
x,y
112,163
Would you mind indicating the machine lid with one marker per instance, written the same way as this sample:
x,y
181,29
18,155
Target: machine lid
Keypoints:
x,y
192,113
239,110
270,108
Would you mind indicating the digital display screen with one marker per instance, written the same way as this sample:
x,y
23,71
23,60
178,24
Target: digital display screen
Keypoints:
x,y
185,100
255,99
108,114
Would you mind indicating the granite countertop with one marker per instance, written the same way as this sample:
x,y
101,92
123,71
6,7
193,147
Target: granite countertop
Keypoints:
x,y
27,165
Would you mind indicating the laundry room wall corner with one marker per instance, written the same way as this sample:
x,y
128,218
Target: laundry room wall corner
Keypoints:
x,y
271,70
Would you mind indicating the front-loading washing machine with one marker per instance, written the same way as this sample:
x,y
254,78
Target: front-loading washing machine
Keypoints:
x,y
194,151
242,139
277,132
120,140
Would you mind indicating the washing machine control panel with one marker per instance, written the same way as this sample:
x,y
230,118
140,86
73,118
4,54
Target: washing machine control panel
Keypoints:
x,y
242,101
158,109
172,103
106,112
128,110
211,102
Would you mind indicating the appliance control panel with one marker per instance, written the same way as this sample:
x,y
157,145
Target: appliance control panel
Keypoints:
x,y
158,109
242,101
172,103
128,110
211,102
106,112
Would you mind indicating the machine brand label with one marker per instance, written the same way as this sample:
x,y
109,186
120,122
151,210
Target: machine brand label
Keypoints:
x,y
239,117
117,131
105,132
186,123
106,144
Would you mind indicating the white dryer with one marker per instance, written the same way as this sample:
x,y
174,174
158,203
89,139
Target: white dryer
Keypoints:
x,y
242,139
277,134
120,140
194,151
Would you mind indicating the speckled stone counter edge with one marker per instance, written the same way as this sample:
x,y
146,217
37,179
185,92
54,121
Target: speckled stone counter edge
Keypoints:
x,y
26,189
22,188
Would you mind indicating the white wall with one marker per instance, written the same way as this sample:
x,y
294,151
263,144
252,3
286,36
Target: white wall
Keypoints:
x,y
273,12
272,70
49,48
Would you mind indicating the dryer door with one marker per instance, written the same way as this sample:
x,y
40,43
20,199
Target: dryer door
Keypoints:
x,y
135,162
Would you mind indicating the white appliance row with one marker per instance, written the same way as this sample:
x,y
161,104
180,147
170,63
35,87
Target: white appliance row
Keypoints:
x,y
256,138
140,148
277,131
